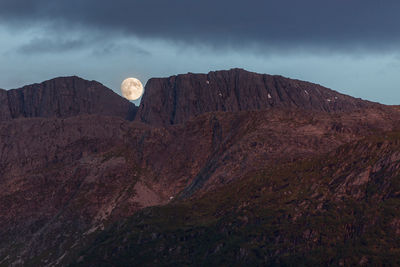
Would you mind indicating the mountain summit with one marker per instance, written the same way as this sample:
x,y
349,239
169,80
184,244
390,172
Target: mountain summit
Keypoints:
x,y
178,98
63,97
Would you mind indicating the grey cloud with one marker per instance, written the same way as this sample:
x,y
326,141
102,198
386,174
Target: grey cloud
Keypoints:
x,y
96,45
112,48
115,48
282,24
50,45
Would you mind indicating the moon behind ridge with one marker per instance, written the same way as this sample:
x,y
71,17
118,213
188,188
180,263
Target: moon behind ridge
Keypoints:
x,y
132,89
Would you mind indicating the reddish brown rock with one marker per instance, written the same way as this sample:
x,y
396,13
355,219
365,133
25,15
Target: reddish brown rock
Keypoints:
x,y
62,179
64,97
175,99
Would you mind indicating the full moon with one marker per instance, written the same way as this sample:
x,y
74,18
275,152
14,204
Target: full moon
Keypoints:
x,y
132,88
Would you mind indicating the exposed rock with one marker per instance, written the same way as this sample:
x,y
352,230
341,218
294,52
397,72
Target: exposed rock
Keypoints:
x,y
64,97
175,99
70,176
284,214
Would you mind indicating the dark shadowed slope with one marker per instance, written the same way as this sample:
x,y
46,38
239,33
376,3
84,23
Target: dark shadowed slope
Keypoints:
x,y
338,209
65,179
64,97
175,99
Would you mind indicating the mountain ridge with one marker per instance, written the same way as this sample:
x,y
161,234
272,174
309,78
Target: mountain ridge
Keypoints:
x,y
177,98
63,97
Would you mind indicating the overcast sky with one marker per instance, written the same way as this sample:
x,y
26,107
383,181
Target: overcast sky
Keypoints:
x,y
352,46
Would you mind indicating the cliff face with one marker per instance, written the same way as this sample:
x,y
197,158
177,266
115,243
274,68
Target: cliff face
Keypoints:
x,y
176,99
63,97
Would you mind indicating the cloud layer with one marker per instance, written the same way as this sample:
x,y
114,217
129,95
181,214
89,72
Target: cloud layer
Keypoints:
x,y
325,24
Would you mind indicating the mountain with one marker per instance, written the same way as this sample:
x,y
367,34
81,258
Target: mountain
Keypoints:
x,y
283,184
63,97
178,98
337,209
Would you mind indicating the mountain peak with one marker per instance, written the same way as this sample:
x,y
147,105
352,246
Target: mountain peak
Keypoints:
x,y
64,97
175,99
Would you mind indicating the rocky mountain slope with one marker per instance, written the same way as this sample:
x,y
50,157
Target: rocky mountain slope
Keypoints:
x,y
178,98
339,209
63,97
269,185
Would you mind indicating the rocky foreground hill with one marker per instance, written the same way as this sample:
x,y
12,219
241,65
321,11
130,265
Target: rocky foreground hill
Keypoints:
x,y
274,171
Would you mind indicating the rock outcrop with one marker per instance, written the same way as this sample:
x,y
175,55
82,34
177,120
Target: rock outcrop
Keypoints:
x,y
64,97
176,99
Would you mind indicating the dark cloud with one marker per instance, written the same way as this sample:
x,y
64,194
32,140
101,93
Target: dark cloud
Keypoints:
x,y
327,24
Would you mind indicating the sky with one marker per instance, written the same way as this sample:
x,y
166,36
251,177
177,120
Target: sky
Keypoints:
x,y
352,46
